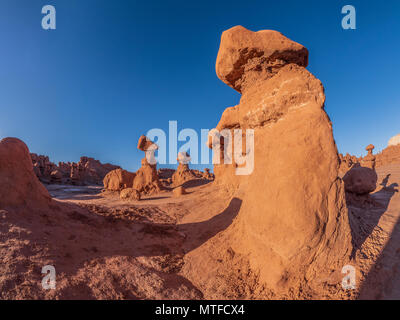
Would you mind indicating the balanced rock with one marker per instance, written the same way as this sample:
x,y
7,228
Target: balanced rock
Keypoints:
x,y
129,194
360,180
118,179
369,160
146,180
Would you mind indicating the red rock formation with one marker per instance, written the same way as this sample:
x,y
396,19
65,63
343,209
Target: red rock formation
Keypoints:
x,y
43,167
118,179
19,186
360,180
183,173
146,180
389,155
292,226
130,194
369,160
86,172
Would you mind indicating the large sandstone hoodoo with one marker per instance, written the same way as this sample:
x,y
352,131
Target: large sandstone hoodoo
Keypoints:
x,y
146,180
292,226
19,186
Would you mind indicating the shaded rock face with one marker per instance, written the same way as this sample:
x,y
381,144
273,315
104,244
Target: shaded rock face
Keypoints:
x,y
360,180
19,185
42,166
293,221
85,172
346,163
146,180
118,179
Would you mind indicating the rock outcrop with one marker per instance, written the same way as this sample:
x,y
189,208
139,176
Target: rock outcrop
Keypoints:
x,y
118,179
183,173
390,155
369,160
130,194
346,163
292,226
360,180
146,180
87,171
19,185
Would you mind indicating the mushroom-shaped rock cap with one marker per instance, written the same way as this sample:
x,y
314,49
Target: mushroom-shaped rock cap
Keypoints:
x,y
145,144
243,51
370,147
183,157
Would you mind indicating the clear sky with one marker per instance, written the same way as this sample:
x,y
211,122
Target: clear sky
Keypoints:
x,y
112,70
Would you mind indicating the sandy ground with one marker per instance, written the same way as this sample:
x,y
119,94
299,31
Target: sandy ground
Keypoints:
x,y
378,258
105,248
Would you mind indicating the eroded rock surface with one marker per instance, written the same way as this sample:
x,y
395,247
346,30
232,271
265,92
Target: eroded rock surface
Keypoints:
x,y
292,223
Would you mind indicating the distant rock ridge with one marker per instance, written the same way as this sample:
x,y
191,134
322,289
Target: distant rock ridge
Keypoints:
x,y
87,171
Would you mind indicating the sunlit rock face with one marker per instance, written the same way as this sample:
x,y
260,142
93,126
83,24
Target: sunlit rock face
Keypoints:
x,y
293,219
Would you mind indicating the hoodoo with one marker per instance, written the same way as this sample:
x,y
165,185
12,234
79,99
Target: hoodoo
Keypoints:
x,y
292,228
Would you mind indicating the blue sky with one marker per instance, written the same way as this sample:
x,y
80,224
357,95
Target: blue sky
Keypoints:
x,y
112,70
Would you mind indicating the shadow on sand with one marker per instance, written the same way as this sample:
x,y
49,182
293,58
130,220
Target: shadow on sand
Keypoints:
x,y
383,279
366,211
77,236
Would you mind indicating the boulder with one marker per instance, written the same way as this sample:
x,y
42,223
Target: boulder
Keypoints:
x,y
360,180
129,194
246,57
118,179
